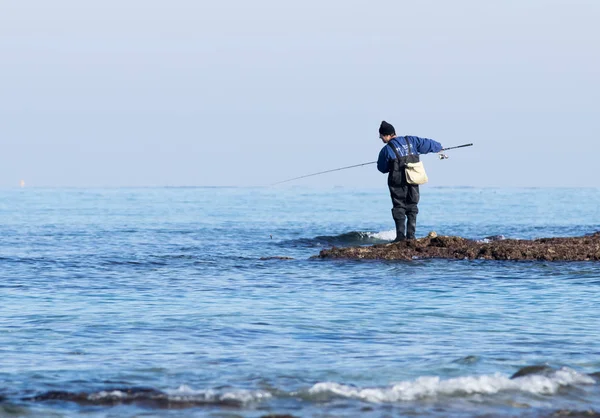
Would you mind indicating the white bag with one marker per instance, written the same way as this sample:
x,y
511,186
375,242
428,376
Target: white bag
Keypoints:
x,y
415,173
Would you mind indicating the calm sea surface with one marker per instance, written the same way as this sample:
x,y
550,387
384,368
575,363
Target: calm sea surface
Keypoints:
x,y
156,303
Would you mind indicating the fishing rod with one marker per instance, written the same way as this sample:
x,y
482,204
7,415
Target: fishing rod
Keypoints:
x,y
458,146
442,157
323,172
445,157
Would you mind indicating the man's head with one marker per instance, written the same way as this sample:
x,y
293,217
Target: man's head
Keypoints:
x,y
386,132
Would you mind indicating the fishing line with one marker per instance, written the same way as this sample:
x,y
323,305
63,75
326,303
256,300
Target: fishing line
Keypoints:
x,y
442,157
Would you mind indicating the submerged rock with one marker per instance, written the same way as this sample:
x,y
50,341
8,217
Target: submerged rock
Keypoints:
x,y
586,248
277,257
147,397
467,360
542,370
278,416
590,413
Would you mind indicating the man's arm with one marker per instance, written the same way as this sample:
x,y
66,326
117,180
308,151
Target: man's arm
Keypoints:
x,y
382,161
426,145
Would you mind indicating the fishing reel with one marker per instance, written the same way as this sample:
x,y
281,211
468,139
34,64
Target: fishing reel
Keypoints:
x,y
443,156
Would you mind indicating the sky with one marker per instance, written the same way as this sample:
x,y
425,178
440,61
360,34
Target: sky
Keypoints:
x,y
127,93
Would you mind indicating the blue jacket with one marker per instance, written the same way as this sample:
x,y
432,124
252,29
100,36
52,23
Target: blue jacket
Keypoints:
x,y
420,145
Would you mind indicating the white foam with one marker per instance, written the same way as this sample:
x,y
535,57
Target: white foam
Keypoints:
x,y
383,235
185,393
494,238
432,387
113,394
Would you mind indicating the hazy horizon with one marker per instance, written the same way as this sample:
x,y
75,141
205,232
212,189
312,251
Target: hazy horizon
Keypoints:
x,y
192,94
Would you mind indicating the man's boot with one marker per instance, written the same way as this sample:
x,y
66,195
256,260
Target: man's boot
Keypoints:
x,y
411,225
400,230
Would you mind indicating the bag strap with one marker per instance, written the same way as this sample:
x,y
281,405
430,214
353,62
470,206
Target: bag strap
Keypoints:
x,y
395,150
408,144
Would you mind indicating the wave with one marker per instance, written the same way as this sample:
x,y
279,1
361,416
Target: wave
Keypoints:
x,y
183,397
533,381
352,238
434,387
357,238
492,238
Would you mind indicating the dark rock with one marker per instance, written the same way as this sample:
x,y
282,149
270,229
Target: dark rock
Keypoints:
x,y
541,369
367,409
278,416
576,414
276,258
586,248
58,395
467,360
127,396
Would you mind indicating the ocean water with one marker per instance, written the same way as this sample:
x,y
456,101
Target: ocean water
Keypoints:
x,y
165,302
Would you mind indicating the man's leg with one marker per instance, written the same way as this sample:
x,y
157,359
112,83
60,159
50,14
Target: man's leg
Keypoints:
x,y
412,199
398,194
400,221
411,225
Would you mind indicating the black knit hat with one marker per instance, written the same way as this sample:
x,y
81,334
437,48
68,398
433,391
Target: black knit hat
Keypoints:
x,y
386,129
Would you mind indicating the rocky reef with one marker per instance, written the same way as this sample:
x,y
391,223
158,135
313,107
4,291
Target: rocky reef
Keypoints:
x,y
585,248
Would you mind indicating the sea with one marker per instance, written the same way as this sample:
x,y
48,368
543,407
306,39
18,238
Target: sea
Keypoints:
x,y
209,302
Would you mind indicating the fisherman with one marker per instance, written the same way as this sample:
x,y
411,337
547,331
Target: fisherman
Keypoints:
x,y
398,151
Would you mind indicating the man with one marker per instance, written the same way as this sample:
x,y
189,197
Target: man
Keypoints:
x,y
398,151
